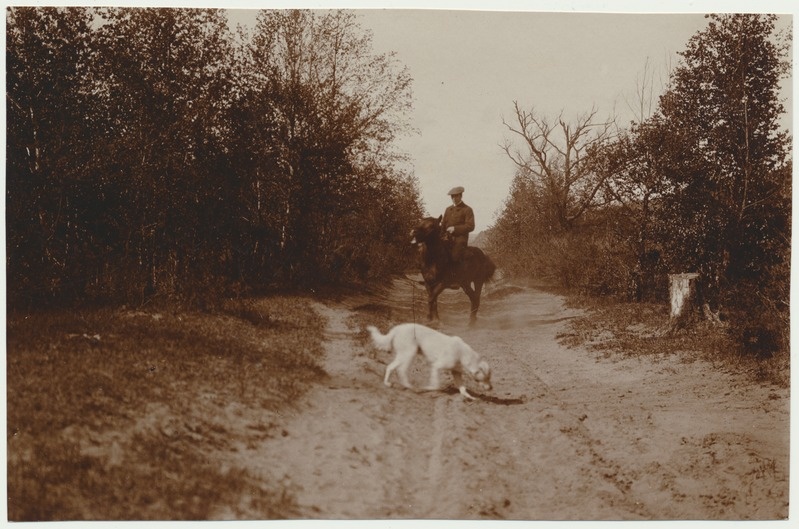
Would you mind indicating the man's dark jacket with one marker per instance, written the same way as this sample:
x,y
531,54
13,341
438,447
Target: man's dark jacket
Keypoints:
x,y
461,217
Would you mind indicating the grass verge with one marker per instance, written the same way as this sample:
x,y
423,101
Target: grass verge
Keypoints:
x,y
636,329
128,415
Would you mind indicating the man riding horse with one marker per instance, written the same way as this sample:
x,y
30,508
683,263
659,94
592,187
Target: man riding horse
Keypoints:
x,y
458,221
437,240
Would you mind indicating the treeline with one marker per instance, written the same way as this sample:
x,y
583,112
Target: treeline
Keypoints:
x,y
702,184
155,153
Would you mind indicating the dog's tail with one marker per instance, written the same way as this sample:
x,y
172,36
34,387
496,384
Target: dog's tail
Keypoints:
x,y
381,341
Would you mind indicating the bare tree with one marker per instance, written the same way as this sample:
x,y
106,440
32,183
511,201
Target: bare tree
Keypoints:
x,y
558,157
643,105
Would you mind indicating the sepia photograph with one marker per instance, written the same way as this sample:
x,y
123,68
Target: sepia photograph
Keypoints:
x,y
401,263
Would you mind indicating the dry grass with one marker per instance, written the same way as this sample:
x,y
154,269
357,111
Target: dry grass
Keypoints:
x,y
636,329
123,415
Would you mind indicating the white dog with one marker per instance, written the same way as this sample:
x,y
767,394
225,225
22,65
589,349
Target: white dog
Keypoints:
x,y
442,351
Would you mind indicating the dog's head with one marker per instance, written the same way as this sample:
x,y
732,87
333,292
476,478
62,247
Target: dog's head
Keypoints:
x,y
483,375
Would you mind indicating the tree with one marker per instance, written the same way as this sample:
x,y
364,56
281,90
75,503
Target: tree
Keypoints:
x,y
727,217
558,157
556,192
334,109
634,173
162,90
151,155
49,147
519,236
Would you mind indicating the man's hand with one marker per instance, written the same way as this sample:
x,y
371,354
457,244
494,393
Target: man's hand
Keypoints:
x,y
451,229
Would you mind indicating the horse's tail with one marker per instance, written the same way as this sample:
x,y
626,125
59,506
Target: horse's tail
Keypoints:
x,y
487,268
490,268
381,341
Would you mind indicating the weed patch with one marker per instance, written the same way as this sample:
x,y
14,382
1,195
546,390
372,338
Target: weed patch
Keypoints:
x,y
636,329
119,415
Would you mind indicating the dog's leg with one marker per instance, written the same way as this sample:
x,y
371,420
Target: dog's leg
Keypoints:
x,y
434,383
403,375
390,369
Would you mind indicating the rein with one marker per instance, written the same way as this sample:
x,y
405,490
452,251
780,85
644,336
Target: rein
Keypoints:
x,y
413,301
413,306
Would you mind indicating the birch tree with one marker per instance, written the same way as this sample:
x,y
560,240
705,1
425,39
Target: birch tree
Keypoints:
x,y
334,108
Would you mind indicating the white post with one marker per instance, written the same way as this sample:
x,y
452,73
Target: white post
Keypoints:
x,y
682,293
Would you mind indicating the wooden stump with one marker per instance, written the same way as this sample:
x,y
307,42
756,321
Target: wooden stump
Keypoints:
x,y
683,296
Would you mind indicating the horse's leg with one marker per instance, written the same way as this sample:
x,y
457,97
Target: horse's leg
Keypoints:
x,y
429,288
474,298
432,301
475,301
478,290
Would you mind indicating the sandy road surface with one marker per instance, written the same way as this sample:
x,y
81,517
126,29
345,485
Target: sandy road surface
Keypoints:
x,y
569,436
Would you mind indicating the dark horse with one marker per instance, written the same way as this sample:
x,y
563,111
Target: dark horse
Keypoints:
x,y
440,272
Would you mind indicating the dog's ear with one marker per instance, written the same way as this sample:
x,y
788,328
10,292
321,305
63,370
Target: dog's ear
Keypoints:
x,y
484,369
483,375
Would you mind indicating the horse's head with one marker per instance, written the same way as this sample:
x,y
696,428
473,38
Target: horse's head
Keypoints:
x,y
429,228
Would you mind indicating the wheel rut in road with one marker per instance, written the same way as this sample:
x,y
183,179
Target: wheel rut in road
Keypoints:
x,y
564,435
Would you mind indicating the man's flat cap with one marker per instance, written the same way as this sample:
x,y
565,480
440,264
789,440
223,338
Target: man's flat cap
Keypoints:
x,y
456,191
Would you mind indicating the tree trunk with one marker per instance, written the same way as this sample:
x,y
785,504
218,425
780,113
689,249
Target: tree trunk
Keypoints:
x,y
683,296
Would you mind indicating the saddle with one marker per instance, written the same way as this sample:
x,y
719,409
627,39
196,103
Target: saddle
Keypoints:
x,y
458,268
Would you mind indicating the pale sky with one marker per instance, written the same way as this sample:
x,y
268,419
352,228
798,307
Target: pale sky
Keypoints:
x,y
469,66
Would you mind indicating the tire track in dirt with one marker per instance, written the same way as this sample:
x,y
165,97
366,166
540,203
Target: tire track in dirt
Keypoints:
x,y
645,426
486,450
347,451
435,467
542,462
584,439
501,468
681,440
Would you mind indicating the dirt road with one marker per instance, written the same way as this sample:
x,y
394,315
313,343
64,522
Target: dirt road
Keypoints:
x,y
568,436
